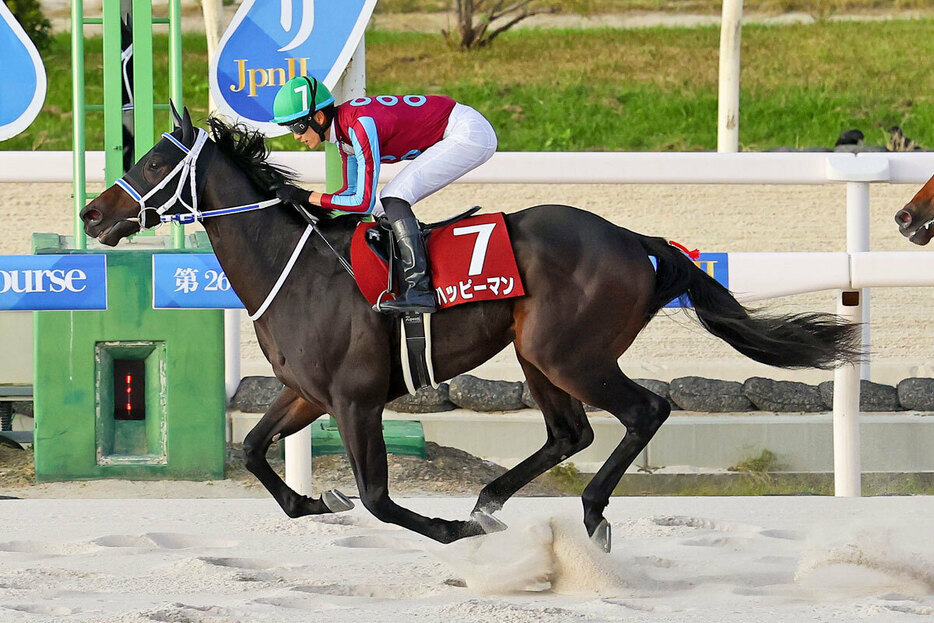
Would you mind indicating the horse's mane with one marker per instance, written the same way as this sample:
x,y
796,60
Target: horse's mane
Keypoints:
x,y
248,150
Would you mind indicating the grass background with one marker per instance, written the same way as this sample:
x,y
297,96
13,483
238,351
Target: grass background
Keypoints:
x,y
649,89
814,7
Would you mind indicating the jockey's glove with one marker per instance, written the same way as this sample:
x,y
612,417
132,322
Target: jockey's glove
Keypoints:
x,y
287,193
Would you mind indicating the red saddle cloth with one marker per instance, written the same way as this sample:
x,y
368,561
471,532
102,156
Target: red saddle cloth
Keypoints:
x,y
471,260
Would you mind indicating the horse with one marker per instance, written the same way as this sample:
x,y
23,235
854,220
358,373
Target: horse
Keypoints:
x,y
590,288
915,219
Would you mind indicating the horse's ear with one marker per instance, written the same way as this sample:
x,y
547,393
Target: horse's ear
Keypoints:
x,y
176,118
188,131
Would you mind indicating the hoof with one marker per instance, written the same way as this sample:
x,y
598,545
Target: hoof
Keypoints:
x,y
336,501
488,522
602,537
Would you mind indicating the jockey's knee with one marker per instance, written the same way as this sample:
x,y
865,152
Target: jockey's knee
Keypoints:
x,y
396,209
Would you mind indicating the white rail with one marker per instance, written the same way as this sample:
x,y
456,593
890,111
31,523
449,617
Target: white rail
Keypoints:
x,y
851,272
573,167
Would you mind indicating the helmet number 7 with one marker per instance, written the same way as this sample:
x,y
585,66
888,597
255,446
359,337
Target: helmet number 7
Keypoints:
x,y
303,89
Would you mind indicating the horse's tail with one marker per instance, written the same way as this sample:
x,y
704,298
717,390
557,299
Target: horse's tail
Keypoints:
x,y
812,340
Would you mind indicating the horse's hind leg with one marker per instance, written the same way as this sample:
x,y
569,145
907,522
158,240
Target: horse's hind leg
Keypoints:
x,y
569,432
641,412
287,414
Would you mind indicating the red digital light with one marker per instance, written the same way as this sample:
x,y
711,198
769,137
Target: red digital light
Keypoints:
x,y
131,373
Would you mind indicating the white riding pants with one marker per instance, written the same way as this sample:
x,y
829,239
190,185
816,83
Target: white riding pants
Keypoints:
x,y
469,140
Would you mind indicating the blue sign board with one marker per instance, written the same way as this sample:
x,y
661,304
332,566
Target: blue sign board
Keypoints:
x,y
23,87
191,281
53,282
271,42
717,265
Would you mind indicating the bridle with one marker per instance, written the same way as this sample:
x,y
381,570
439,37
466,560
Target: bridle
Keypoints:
x,y
186,170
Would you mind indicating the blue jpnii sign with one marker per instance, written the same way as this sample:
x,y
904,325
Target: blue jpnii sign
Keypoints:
x,y
191,281
717,265
53,282
23,87
269,43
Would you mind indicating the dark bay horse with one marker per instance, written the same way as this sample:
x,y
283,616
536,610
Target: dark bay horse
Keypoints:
x,y
590,289
917,217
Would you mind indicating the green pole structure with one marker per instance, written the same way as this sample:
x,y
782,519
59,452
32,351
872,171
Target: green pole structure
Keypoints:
x,y
128,391
113,94
175,87
143,99
77,105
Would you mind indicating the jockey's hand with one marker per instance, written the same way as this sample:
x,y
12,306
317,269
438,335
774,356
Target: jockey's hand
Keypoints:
x,y
287,193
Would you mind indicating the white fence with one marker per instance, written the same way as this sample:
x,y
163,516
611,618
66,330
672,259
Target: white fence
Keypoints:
x,y
752,275
574,167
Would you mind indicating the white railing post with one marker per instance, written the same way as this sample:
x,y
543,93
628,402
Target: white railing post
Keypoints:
x,y
298,445
853,305
846,458
857,241
298,461
731,30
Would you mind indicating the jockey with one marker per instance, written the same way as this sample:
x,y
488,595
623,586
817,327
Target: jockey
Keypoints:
x,y
443,139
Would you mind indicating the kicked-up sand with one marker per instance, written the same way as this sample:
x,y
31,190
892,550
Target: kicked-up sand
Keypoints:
x,y
730,560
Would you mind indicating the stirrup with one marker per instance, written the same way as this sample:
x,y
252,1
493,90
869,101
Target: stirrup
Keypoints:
x,y
405,307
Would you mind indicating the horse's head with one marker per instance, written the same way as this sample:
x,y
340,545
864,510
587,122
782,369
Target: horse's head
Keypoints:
x,y
915,220
161,183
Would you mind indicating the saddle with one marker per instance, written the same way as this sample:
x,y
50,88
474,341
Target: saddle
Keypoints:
x,y
471,260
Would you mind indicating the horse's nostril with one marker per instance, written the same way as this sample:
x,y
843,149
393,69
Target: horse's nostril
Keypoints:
x,y
903,218
91,216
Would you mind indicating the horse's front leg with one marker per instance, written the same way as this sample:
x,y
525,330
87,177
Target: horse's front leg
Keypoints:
x,y
362,433
287,414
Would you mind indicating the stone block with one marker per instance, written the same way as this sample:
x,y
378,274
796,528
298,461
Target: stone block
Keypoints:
x,y
916,394
693,393
255,393
783,396
425,400
873,397
469,392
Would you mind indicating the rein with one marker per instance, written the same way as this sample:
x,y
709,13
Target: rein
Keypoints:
x,y
186,169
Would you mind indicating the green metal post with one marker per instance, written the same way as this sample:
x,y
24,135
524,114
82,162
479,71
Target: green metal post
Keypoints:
x,y
143,101
113,93
77,105
175,87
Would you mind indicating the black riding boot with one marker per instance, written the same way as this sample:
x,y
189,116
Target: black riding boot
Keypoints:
x,y
417,294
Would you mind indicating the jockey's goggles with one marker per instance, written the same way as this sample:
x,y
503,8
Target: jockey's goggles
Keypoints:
x,y
298,127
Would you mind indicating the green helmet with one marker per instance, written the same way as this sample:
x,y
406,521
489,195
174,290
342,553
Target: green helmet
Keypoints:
x,y
299,97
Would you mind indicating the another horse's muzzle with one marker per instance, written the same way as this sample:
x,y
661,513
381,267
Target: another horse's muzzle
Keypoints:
x,y
912,227
903,218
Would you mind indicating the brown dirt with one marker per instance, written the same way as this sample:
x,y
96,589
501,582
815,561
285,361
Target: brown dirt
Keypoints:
x,y
445,471
16,467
